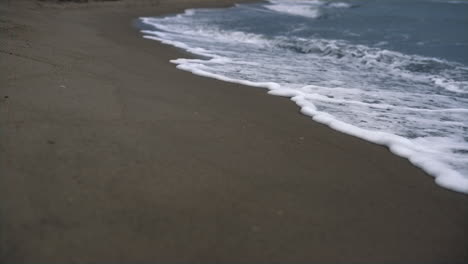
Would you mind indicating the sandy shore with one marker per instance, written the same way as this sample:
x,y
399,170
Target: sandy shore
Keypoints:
x,y
109,154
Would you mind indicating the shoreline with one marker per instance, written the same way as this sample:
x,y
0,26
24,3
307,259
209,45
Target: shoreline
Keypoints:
x,y
445,176
111,154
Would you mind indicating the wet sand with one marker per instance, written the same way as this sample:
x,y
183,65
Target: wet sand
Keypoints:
x,y
109,154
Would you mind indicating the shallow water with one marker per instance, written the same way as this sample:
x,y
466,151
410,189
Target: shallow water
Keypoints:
x,y
394,72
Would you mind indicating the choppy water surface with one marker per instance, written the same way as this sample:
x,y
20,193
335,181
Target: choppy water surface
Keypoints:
x,y
394,72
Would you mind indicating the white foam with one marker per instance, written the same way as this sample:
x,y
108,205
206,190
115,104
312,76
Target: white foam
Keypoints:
x,y
296,8
201,31
413,150
339,5
457,87
420,157
339,92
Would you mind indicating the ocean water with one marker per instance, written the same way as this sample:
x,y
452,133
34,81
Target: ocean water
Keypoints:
x,y
393,72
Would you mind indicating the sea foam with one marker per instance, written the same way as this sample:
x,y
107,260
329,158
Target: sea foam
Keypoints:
x,y
422,115
299,8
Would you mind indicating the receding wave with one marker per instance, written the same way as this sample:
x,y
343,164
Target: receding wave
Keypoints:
x,y
415,105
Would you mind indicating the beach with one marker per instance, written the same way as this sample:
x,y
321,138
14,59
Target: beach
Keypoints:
x,y
110,154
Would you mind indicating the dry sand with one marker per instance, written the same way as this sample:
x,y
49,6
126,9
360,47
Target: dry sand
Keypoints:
x,y
109,154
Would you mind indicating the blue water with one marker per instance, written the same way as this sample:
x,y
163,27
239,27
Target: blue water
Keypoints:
x,y
394,72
